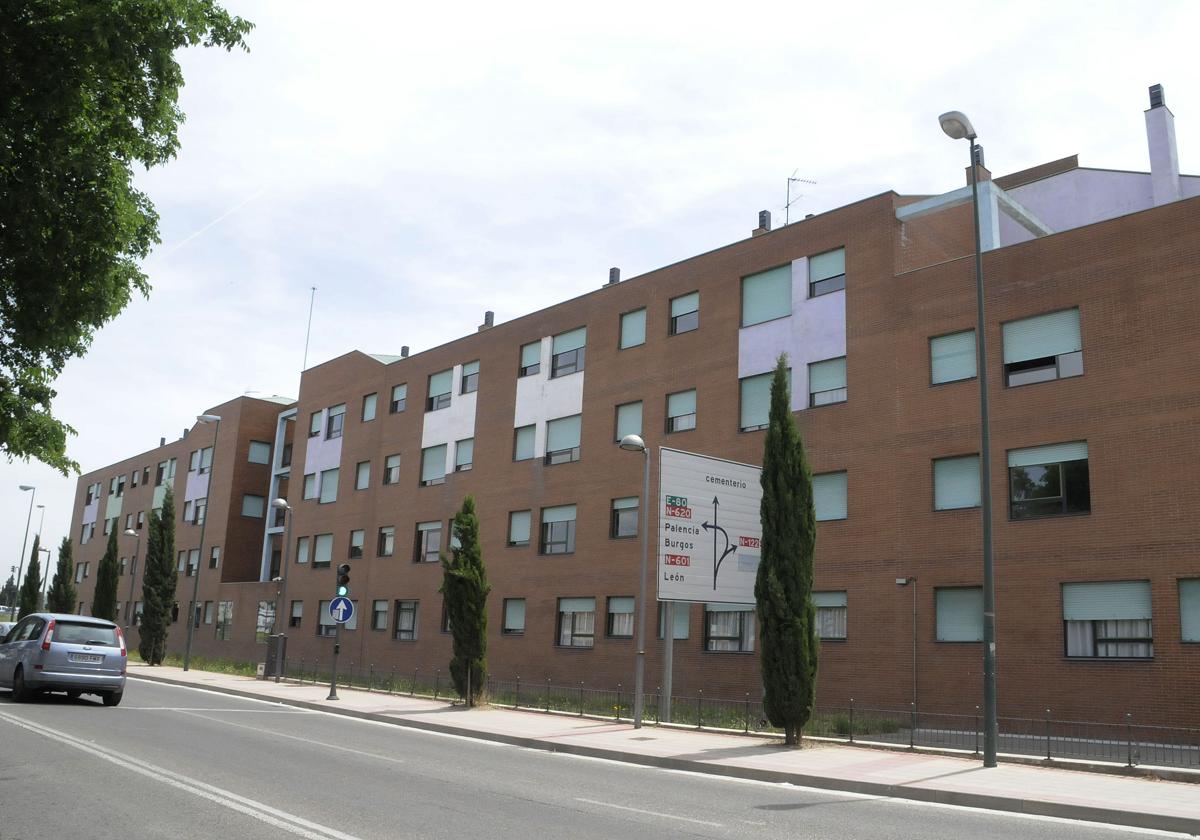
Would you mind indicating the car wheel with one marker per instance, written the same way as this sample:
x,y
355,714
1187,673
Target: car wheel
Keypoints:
x,y
20,691
113,698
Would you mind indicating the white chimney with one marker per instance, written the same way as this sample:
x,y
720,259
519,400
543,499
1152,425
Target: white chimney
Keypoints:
x,y
1164,155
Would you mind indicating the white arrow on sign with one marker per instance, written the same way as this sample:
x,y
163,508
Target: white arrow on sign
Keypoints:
x,y
339,612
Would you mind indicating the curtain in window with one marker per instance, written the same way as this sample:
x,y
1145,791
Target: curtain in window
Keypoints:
x,y
633,328
953,356
573,340
1051,334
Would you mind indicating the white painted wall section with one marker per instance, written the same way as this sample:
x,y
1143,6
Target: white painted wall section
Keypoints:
x,y
196,487
90,512
453,423
112,506
321,454
541,399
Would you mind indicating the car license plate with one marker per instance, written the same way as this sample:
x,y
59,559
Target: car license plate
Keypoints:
x,y
90,658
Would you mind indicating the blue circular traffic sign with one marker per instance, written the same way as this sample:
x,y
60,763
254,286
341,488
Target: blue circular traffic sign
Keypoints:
x,y
341,609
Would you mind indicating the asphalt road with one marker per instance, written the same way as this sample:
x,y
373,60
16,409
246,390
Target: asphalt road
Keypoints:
x,y
182,763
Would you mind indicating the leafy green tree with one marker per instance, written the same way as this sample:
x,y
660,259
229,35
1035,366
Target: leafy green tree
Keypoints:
x,y
783,588
31,588
104,601
158,583
87,90
61,597
465,589
8,595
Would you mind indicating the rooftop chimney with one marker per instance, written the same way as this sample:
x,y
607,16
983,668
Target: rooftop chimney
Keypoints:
x,y
985,174
162,441
764,223
488,321
404,352
614,276
1164,155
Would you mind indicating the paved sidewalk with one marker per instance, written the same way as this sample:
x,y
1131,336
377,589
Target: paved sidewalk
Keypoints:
x,y
1046,791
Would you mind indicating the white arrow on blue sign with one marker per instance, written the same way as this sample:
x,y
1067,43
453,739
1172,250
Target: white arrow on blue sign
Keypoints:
x,y
341,609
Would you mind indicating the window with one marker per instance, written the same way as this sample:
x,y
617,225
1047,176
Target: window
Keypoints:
x,y
445,628
433,465
470,378
956,483
224,620
357,538
440,386
124,566
681,613
399,398
826,272
952,357
310,486
108,525
831,614
1108,620
141,519
314,423
685,314
391,469
566,352
326,626
464,454
633,329
624,518
336,422
214,557
368,407
264,624
518,527
297,615
531,358
200,510
728,627
193,562
322,551
208,612
260,453
129,522
329,486
755,402
523,443
558,530
428,542
159,474
181,561
93,492
302,550
80,569
959,614
121,479
827,382
133,478
362,475
1042,348
767,295
829,496
681,411
576,622
379,615
1189,609
562,440
406,621
514,617
386,545
1049,480
619,624
253,506
629,420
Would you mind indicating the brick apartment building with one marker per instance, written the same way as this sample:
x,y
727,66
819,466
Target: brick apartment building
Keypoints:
x,y
1091,287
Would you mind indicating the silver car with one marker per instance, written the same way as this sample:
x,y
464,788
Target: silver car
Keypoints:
x,y
77,654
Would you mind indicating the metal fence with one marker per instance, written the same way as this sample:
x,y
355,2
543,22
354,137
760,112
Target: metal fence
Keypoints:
x,y
1123,741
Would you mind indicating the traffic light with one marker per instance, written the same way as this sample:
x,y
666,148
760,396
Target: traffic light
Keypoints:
x,y
343,579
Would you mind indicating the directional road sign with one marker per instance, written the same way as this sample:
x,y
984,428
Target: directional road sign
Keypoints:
x,y
341,609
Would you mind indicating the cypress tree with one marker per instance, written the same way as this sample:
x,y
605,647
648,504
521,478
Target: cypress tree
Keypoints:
x,y
61,597
158,583
783,588
465,590
104,601
31,589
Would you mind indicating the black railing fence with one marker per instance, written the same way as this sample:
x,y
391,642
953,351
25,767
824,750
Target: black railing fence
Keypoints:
x,y
1122,741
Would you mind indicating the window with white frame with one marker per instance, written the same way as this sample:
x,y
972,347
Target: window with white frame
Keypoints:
x,y
406,621
1042,348
314,424
1189,609
433,465
208,612
829,496
827,382
956,482
336,421
464,454
260,452
576,622
1108,620
310,486
214,557
514,617
297,616
558,530
531,359
685,314
1049,480
567,352
523,443
368,407
619,623
518,527
322,551
386,545
224,620
302,550
959,612
391,469
428,543
379,614
470,378
755,393
681,411
441,385
562,439
728,627
830,614
399,398
624,523
827,272
952,357
681,613
629,420
633,329
362,475
253,506
329,486
357,538
767,295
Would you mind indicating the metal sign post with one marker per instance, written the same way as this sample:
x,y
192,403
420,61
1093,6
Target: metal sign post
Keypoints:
x,y
341,610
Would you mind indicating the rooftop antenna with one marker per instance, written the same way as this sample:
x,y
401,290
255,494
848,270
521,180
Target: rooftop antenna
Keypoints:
x,y
792,179
308,332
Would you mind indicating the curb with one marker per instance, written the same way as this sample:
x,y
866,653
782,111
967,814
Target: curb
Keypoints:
x,y
1061,810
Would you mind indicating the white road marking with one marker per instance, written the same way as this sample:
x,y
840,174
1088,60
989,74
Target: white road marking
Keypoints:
x,y
258,810
273,734
649,813
241,711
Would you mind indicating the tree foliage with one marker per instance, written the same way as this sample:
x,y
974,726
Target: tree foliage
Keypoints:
x,y
31,587
158,583
465,590
61,597
783,588
8,594
87,91
104,601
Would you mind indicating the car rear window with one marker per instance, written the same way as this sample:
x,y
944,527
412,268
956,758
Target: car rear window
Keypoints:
x,y
78,633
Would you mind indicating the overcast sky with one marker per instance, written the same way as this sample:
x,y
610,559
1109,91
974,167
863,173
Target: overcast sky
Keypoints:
x,y
422,163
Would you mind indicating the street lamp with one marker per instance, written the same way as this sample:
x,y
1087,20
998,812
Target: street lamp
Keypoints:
x,y
281,593
21,562
905,581
191,620
957,127
634,443
45,576
42,520
137,546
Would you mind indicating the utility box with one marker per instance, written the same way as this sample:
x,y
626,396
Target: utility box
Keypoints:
x,y
276,656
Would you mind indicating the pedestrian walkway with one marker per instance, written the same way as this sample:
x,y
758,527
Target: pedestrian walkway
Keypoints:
x,y
1046,791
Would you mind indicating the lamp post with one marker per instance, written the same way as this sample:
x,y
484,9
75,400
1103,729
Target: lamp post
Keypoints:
x,y
633,443
191,620
21,561
281,593
42,520
905,581
137,546
45,578
957,127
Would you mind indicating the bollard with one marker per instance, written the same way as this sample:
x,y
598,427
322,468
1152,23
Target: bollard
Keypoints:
x,y
700,710
392,681
412,689
517,699
1128,739
658,704
1047,734
851,720
547,695
618,706
912,725
746,731
581,698
437,683
371,677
